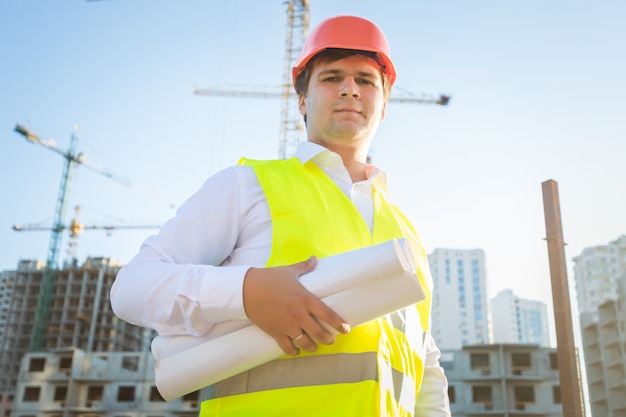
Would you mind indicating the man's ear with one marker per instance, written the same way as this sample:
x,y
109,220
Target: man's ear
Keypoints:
x,y
302,104
382,115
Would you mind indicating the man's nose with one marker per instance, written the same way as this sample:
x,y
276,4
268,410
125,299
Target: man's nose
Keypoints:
x,y
350,89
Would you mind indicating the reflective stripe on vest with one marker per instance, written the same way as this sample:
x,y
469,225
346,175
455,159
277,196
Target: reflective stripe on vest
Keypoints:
x,y
376,370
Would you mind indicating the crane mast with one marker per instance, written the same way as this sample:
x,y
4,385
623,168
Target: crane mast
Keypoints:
x,y
50,271
292,128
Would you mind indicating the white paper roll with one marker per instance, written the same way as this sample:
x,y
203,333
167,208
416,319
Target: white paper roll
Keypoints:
x,y
360,286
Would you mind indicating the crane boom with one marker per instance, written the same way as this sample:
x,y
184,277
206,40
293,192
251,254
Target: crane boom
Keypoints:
x,y
273,92
76,228
81,159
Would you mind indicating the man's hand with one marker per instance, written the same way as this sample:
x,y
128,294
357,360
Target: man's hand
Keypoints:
x,y
278,304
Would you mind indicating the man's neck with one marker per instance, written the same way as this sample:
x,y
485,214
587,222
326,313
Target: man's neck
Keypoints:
x,y
354,160
353,156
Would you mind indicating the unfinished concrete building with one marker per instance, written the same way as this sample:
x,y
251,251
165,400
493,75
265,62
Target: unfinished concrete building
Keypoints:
x,y
79,316
600,274
72,383
604,342
503,380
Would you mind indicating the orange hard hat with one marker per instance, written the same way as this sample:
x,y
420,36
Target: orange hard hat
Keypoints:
x,y
346,32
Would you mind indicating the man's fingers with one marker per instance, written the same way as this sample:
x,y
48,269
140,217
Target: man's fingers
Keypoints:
x,y
325,324
305,267
287,345
304,342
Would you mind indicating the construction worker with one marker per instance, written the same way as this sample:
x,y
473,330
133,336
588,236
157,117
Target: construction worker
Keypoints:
x,y
235,250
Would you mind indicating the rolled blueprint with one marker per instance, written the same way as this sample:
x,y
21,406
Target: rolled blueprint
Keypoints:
x,y
360,285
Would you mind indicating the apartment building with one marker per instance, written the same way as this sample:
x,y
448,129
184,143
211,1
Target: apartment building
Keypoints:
x,y
519,320
461,313
597,271
503,380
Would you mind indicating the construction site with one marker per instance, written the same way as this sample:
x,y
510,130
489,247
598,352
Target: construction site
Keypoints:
x,y
64,353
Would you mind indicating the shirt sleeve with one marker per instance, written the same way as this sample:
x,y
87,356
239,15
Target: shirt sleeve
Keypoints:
x,y
175,284
432,400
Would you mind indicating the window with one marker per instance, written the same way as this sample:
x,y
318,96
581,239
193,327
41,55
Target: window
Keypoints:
x,y
554,364
523,394
126,394
192,398
556,394
36,364
155,396
31,394
479,361
60,393
130,363
482,394
520,361
65,363
94,394
451,394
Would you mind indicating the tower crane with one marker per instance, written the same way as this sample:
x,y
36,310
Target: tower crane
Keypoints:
x,y
76,228
292,124
72,160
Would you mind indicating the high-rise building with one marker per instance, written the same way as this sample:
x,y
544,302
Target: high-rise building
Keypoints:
x,y
79,316
461,314
596,272
518,320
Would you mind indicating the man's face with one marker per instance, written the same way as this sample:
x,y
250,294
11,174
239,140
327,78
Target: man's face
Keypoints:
x,y
344,102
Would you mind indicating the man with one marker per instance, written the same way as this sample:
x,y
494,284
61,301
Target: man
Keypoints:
x,y
236,248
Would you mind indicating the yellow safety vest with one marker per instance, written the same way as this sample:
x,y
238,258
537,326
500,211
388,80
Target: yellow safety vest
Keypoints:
x,y
377,369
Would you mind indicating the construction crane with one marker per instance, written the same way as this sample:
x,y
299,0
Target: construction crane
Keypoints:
x,y
72,160
76,228
292,125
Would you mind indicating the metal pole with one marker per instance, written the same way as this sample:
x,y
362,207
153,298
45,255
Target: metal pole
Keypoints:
x,y
569,372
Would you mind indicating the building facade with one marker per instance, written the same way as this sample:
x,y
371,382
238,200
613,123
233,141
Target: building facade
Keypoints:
x,y
73,383
461,313
518,320
600,276
80,316
604,344
503,380
7,280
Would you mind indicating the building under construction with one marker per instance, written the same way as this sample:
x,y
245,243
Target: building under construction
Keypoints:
x,y
79,316
600,274
70,382
503,380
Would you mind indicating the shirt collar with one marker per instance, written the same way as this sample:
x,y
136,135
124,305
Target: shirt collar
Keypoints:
x,y
325,158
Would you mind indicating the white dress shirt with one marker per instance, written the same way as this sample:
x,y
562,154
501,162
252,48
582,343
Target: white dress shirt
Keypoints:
x,y
190,275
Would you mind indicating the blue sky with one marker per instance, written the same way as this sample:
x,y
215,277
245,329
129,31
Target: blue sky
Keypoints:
x,y
538,92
